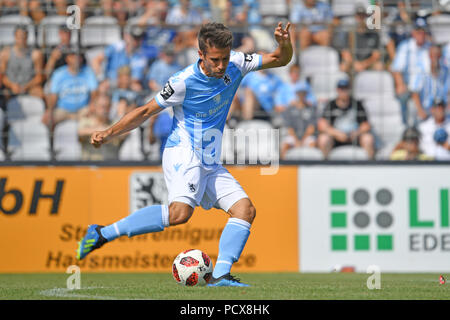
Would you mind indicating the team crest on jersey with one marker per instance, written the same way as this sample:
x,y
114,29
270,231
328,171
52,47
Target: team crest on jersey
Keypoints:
x,y
248,57
167,91
227,79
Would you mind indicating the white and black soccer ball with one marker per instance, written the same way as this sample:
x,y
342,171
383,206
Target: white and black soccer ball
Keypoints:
x,y
192,267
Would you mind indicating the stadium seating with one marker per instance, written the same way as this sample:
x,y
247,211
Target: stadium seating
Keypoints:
x,y
304,153
317,60
7,26
385,118
370,84
29,140
346,153
66,143
227,153
256,141
28,137
324,85
131,147
439,27
100,31
48,31
271,11
342,8
25,106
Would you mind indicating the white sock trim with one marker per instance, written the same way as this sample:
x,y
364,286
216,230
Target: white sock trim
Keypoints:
x,y
223,261
116,228
239,222
165,215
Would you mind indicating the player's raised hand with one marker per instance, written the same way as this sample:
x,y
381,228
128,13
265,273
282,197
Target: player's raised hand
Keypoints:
x,y
99,137
282,35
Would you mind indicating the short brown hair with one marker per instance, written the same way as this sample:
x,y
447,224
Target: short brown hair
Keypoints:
x,y
214,34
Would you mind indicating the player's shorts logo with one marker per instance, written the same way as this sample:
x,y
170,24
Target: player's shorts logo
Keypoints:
x,y
191,187
167,91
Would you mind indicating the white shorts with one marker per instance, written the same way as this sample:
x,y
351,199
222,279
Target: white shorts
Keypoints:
x,y
191,182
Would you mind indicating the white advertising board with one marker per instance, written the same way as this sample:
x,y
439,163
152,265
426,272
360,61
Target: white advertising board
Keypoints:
x,y
396,218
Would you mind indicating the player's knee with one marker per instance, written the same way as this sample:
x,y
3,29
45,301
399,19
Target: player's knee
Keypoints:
x,y
247,213
251,214
179,213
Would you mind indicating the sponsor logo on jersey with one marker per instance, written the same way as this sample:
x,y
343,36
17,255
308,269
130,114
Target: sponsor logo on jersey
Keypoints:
x,y
167,91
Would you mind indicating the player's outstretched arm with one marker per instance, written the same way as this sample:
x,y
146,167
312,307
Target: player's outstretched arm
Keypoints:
x,y
128,122
283,53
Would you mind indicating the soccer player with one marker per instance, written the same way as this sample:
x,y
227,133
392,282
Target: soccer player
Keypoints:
x,y
200,96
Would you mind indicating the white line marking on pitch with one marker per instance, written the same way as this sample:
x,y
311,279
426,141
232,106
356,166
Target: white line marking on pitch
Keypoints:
x,y
70,293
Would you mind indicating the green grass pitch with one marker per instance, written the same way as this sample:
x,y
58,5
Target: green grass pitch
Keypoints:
x,y
264,286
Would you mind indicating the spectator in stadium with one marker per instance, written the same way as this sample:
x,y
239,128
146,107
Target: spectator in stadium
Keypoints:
x,y
92,119
364,42
156,36
125,52
408,148
242,12
287,92
22,66
314,19
56,58
344,122
426,87
183,14
186,46
412,57
13,7
36,10
58,7
161,70
300,119
159,129
434,133
72,88
124,98
259,89
400,28
445,63
114,8
85,9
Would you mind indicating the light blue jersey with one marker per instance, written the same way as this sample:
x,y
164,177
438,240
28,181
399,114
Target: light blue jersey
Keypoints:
x,y
411,60
73,91
201,103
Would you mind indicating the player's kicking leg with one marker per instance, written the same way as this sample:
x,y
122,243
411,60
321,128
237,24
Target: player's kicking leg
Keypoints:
x,y
146,220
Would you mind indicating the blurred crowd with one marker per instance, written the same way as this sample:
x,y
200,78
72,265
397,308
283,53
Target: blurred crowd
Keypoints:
x,y
93,85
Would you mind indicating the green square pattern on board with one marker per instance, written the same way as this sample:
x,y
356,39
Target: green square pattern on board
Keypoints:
x,y
338,242
338,197
384,242
362,242
338,219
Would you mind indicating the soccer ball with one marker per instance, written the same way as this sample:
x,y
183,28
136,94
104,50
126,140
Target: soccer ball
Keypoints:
x,y
192,268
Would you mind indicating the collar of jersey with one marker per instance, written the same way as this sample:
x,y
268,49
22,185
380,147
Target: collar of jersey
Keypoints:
x,y
201,74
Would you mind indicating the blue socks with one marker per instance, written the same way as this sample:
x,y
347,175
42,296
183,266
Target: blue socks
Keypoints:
x,y
232,242
155,218
149,219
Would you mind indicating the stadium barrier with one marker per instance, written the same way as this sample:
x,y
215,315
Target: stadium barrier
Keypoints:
x,y
394,217
310,218
44,212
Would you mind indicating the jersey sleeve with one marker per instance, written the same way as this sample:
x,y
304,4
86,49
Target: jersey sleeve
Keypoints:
x,y
172,94
246,62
